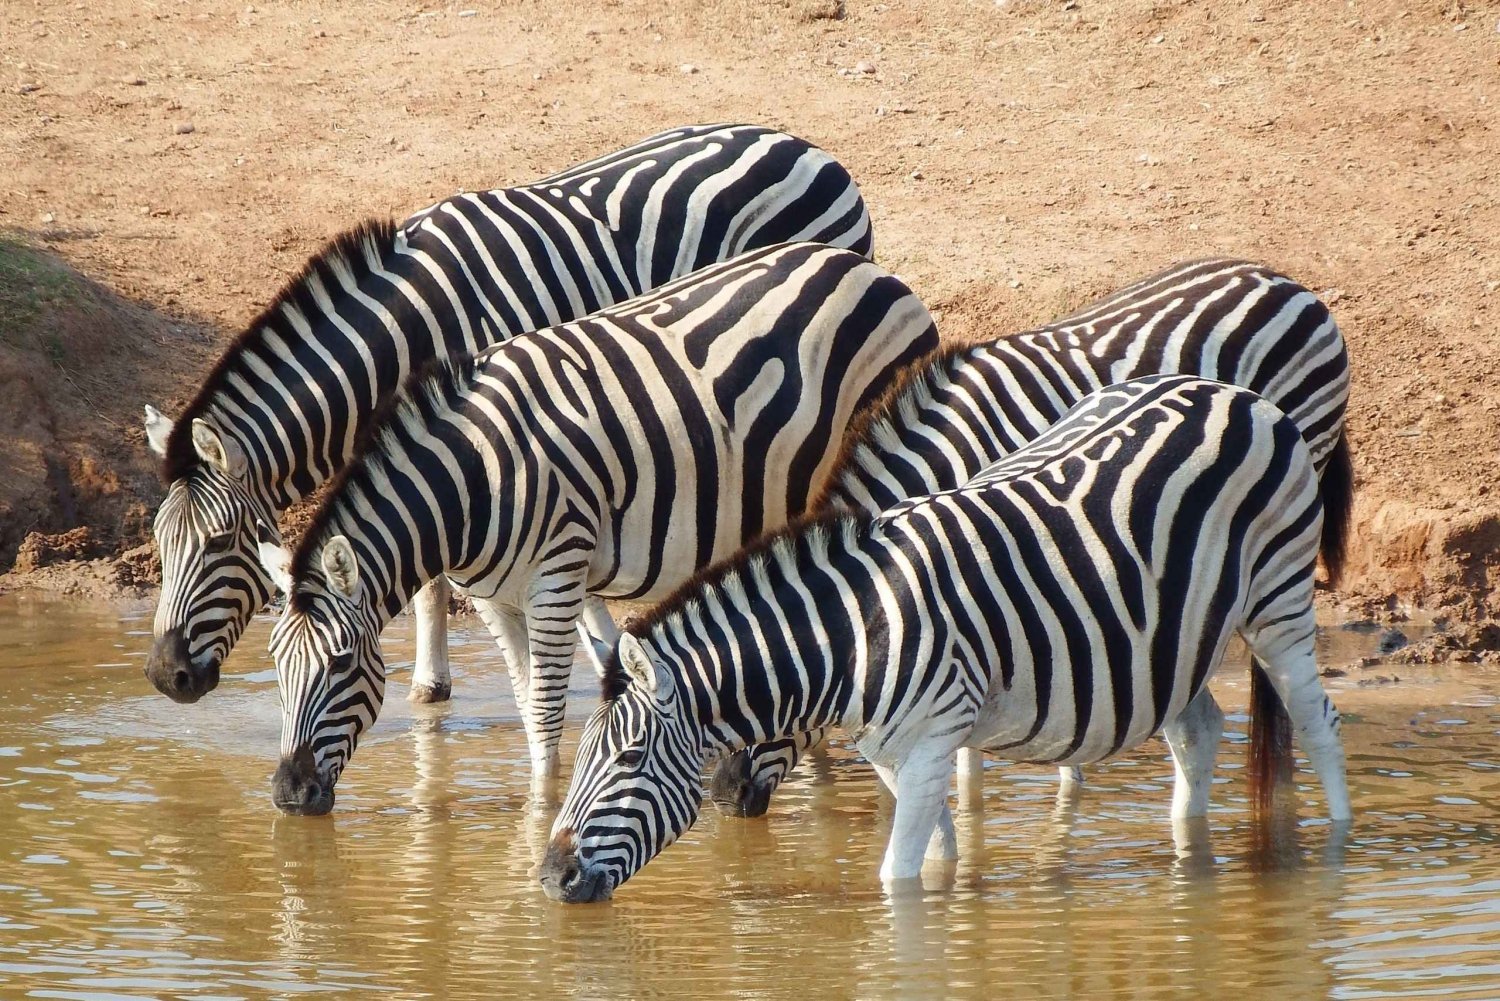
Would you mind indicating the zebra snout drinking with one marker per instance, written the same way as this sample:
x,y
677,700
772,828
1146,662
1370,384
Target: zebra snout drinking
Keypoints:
x,y
564,876
733,788
296,788
173,673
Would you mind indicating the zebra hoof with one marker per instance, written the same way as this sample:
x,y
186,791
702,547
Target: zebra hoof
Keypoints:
x,y
424,695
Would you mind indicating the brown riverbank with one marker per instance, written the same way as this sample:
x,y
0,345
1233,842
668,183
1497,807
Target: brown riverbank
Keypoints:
x,y
1019,157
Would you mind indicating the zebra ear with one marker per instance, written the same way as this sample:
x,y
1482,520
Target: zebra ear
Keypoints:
x,y
223,453
277,562
158,430
340,566
642,669
595,649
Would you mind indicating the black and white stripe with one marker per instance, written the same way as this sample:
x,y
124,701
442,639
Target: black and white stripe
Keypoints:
x,y
281,411
612,456
1229,320
1069,602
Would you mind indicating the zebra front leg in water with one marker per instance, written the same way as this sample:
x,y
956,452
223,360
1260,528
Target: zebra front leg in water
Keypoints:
x,y
970,768
1193,737
508,626
554,611
923,826
431,679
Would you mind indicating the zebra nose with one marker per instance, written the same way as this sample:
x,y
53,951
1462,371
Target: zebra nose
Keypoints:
x,y
733,788
173,673
296,788
563,875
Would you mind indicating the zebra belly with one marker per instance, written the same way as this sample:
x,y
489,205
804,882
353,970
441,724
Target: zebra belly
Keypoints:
x,y
1074,731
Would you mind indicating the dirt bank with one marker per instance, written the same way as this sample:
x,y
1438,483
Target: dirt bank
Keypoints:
x,y
1020,157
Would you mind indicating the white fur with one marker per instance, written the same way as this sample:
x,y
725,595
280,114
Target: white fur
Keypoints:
x,y
158,431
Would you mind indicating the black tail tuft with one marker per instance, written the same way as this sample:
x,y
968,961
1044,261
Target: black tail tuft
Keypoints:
x,y
1337,491
1270,760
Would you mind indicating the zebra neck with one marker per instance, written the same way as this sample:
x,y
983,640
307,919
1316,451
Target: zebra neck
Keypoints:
x,y
767,648
417,507
310,374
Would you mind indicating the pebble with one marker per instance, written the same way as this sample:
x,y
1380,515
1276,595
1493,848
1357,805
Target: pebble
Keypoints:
x,y
467,13
687,69
916,175
865,67
48,217
183,128
27,88
134,81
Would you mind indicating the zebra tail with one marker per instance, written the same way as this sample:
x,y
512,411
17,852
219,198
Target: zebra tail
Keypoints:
x,y
1270,760
1337,492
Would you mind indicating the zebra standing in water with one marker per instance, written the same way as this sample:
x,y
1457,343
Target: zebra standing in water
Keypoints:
x,y
1229,320
610,456
281,411
1062,607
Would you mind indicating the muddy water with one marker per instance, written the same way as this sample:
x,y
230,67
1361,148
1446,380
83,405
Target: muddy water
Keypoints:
x,y
140,856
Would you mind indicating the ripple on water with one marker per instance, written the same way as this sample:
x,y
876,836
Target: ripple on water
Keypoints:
x,y
174,876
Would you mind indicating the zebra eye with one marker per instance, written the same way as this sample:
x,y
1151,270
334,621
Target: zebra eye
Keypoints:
x,y
340,663
218,542
631,757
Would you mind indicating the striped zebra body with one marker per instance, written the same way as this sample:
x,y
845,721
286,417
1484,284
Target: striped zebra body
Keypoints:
x,y
611,456
286,404
1228,320
1061,607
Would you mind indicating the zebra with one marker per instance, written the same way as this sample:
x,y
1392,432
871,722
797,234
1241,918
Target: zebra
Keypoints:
x,y
1069,601
610,456
282,409
1231,320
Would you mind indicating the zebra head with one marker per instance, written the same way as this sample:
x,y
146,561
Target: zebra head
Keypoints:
x,y
206,531
636,782
330,672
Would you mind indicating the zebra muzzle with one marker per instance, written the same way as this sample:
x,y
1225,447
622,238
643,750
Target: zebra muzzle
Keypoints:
x,y
171,670
296,788
734,790
565,877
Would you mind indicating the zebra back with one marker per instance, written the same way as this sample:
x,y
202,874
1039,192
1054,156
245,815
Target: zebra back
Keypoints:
x,y
1232,321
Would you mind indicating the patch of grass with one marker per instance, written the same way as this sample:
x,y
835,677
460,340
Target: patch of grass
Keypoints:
x,y
31,283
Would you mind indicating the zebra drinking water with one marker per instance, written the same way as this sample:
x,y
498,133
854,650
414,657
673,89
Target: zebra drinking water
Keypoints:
x,y
281,410
1230,320
1071,600
609,456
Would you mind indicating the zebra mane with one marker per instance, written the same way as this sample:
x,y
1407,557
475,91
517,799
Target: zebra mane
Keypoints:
x,y
730,573
358,251
429,388
907,390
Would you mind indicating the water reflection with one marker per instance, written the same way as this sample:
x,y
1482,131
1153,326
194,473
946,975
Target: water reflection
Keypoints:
x,y
142,857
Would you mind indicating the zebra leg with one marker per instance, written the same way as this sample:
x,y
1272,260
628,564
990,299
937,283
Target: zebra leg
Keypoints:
x,y
431,680
509,630
1069,781
923,825
598,622
1294,674
553,613
970,778
1193,737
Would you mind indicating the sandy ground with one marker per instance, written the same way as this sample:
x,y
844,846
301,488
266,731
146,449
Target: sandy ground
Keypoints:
x,y
1019,158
